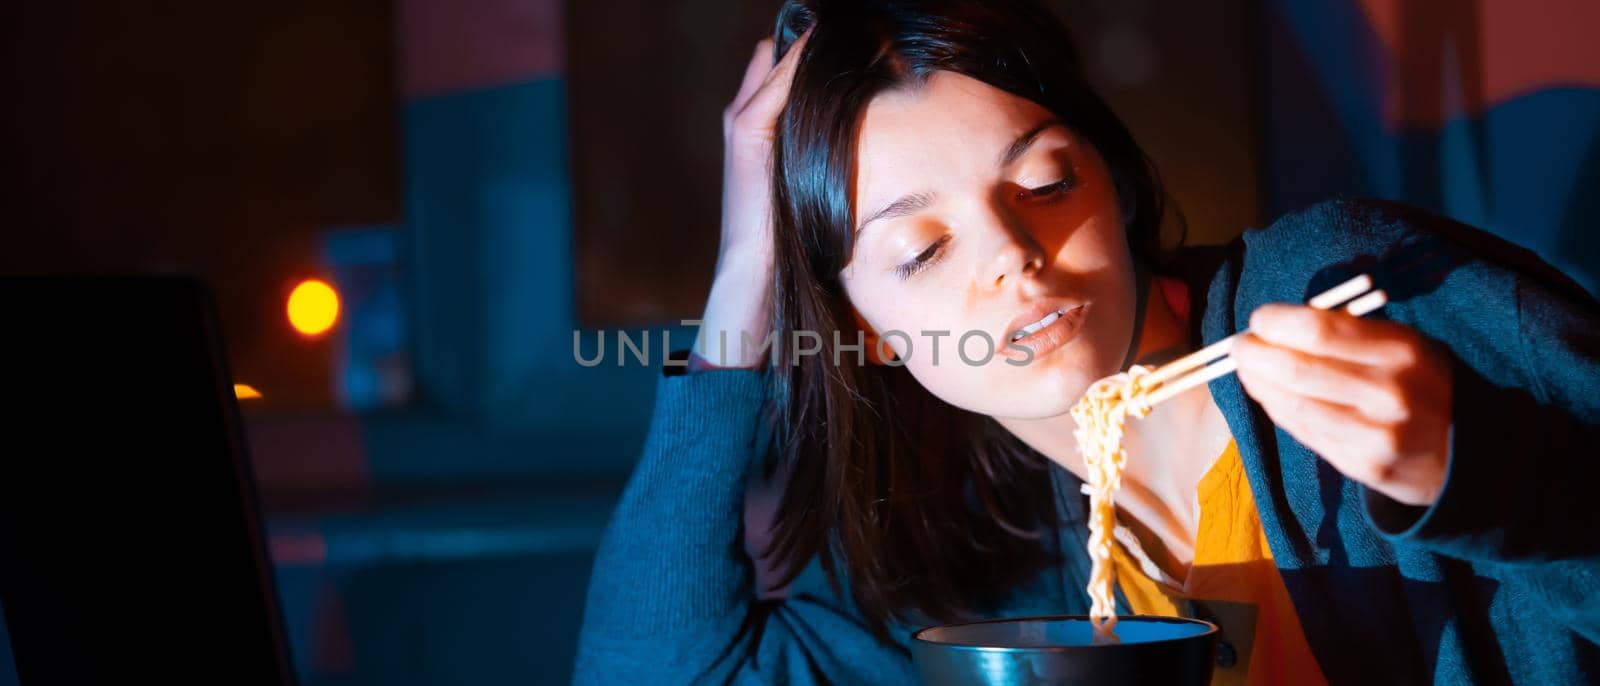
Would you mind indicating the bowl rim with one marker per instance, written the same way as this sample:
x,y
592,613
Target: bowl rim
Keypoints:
x,y
916,636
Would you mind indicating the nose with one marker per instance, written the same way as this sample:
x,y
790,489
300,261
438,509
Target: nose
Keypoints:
x,y
1015,253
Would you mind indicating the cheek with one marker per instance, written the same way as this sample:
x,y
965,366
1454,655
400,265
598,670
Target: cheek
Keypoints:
x,y
907,327
1109,281
926,333
1083,233
949,378
897,317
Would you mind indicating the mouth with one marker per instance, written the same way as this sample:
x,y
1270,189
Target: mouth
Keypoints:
x,y
1033,328
1043,329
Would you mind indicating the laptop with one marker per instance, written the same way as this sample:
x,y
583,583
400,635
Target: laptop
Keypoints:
x,y
131,543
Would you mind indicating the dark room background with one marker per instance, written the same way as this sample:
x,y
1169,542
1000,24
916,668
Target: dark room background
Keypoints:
x,y
480,179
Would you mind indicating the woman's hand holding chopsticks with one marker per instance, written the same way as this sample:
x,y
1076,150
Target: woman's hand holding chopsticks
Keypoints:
x,y
1372,397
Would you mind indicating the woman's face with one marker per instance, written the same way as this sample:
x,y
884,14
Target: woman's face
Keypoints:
x,y
978,213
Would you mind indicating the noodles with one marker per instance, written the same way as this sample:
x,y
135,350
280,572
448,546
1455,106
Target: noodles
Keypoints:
x,y
1100,415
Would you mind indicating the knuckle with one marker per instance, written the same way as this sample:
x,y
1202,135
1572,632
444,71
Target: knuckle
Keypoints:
x,y
1406,354
741,121
1319,327
1402,409
1388,443
1381,471
1392,402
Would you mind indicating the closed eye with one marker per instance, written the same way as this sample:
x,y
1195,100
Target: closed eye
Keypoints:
x,y
928,256
1049,191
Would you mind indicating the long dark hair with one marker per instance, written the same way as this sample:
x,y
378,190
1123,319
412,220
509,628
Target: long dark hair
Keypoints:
x,y
930,508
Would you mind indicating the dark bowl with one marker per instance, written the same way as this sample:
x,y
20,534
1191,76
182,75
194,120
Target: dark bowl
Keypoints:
x,y
1057,650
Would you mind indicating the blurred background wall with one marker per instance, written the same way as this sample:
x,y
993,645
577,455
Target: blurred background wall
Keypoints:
x,y
1484,110
480,179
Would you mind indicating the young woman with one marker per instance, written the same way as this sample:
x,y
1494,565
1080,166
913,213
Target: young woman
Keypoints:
x,y
1398,498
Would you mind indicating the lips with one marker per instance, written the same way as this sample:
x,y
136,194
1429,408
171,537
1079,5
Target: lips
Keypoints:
x,y
1033,319
1044,327
1033,328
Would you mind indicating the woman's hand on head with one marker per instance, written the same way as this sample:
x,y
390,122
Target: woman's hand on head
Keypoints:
x,y
1372,397
748,129
740,301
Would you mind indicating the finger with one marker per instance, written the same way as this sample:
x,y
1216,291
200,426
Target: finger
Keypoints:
x,y
769,97
755,73
1330,379
1334,333
1351,443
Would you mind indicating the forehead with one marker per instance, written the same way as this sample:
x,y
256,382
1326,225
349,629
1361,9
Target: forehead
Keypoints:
x,y
914,138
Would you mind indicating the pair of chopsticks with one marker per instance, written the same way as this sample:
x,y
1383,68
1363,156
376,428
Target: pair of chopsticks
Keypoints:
x,y
1357,297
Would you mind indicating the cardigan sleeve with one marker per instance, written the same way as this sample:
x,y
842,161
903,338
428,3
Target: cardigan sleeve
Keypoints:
x,y
672,596
1522,483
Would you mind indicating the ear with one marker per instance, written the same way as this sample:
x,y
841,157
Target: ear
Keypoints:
x,y
870,339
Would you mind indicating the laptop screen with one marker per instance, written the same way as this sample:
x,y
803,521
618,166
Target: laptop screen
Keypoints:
x,y
130,540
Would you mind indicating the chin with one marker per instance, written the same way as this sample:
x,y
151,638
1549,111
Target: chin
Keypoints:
x,y
1046,388
1054,384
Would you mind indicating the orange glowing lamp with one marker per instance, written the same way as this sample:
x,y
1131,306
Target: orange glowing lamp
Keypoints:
x,y
313,307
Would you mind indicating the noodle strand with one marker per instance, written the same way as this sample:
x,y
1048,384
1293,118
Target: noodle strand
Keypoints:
x,y
1100,416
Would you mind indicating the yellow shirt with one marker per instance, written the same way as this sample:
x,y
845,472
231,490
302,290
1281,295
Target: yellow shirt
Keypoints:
x,y
1233,582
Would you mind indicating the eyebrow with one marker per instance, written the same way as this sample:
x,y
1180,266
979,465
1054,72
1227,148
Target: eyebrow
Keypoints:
x,y
907,204
1025,141
912,203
